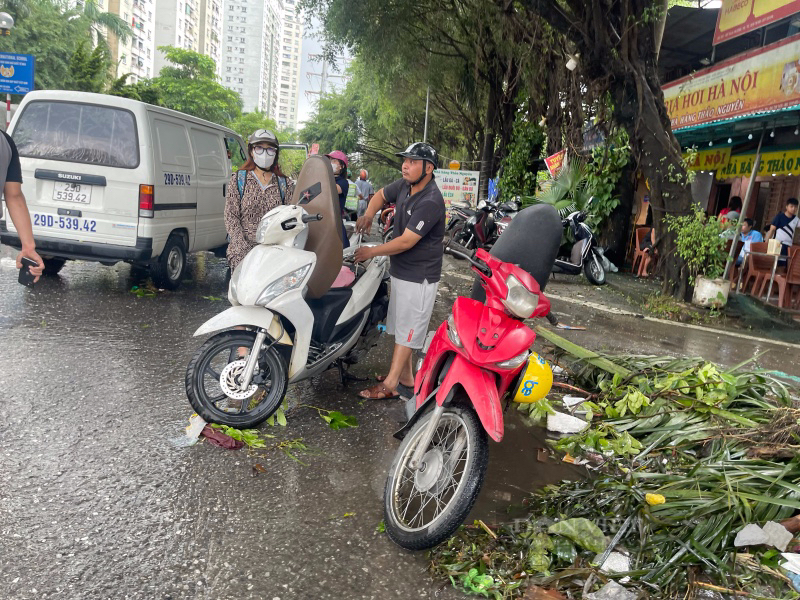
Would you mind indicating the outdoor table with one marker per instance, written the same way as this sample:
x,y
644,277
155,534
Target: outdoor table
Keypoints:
x,y
776,259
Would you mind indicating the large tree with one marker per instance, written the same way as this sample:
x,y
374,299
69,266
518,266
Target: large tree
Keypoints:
x,y
617,43
189,84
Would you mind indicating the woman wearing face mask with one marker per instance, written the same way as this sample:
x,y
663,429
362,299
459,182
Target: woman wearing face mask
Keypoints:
x,y
339,164
253,191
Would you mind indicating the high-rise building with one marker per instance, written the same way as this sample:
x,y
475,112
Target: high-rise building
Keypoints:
x,y
134,55
177,23
211,30
291,48
250,33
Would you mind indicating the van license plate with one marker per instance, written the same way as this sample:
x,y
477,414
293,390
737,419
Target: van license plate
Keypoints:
x,y
62,222
72,192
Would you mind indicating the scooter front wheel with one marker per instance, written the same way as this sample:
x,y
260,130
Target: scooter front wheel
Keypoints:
x,y
424,506
593,269
212,381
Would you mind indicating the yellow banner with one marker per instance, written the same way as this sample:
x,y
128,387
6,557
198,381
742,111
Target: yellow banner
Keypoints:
x,y
710,159
780,162
760,81
737,17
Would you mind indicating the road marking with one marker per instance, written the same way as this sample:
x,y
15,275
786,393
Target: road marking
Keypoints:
x,y
628,313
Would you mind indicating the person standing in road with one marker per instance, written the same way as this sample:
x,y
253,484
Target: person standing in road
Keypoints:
x,y
783,226
416,262
365,192
11,171
253,191
339,165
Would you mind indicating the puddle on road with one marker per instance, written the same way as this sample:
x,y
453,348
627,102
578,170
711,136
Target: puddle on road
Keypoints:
x,y
515,471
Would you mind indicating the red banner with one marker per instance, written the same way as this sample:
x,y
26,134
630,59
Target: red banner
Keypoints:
x,y
555,162
737,17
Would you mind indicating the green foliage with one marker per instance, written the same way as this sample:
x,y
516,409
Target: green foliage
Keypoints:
x,y
604,170
89,71
519,174
101,22
143,90
581,531
568,191
698,242
190,85
252,438
337,420
475,584
245,124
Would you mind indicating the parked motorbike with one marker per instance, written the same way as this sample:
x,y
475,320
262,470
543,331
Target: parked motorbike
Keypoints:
x,y
478,356
584,253
300,307
480,228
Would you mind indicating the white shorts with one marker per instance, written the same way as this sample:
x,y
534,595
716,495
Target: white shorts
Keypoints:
x,y
410,309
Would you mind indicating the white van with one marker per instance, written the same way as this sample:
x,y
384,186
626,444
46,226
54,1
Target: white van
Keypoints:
x,y
111,179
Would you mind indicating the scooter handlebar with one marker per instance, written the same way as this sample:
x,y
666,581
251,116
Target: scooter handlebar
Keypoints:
x,y
478,264
309,218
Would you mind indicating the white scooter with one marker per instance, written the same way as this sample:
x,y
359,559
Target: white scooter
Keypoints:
x,y
300,306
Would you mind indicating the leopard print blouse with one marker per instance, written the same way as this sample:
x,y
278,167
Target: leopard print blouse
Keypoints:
x,y
242,216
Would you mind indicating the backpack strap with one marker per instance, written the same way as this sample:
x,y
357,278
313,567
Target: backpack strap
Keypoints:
x,y
282,188
241,178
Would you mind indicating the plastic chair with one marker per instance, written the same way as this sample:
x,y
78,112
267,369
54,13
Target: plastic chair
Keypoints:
x,y
790,280
757,268
640,256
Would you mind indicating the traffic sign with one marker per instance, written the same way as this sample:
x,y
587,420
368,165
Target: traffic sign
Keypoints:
x,y
16,73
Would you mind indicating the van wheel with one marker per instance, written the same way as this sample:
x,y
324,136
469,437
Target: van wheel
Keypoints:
x,y
52,266
168,270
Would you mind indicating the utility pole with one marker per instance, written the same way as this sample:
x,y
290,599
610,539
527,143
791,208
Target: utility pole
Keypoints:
x,y
324,76
6,23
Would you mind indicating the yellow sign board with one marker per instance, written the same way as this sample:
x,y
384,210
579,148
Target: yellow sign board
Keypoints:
x,y
711,159
780,162
737,17
759,81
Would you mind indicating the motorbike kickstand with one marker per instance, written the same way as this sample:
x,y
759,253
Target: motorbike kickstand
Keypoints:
x,y
345,376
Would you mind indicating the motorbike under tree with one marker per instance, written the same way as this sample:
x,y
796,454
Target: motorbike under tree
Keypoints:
x,y
480,228
584,254
386,221
478,356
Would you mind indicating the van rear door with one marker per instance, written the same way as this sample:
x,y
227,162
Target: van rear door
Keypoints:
x,y
81,168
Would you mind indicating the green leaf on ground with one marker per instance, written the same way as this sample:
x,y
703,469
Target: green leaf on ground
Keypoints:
x,y
581,531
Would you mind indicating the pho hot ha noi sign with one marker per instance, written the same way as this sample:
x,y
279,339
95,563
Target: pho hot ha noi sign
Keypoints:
x,y
762,80
737,17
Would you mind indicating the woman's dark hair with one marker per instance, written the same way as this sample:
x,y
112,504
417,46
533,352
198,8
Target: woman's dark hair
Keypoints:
x,y
649,221
343,172
735,203
250,165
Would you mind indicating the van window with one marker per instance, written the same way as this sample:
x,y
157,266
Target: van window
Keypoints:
x,y
208,153
235,152
75,132
173,146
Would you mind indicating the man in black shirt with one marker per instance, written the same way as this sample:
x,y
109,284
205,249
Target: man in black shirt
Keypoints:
x,y
416,261
11,184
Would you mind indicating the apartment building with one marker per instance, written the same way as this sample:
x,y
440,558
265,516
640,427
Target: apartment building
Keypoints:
x,y
177,23
210,42
134,55
291,48
250,38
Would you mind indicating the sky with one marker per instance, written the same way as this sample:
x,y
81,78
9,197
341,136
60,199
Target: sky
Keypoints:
x,y
311,45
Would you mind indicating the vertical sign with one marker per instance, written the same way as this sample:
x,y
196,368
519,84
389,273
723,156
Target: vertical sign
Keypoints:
x,y
458,187
16,73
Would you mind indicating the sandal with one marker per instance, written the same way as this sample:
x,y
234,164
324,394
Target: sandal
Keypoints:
x,y
380,378
378,392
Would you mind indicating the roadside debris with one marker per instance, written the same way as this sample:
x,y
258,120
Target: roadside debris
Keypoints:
x,y
667,444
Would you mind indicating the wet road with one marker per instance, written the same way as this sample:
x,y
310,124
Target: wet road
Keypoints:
x,y
98,499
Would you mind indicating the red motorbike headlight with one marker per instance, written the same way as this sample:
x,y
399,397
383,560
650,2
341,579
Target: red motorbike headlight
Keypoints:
x,y
519,301
452,333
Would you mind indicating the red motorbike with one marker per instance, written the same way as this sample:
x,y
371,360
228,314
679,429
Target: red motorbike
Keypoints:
x,y
479,356
387,223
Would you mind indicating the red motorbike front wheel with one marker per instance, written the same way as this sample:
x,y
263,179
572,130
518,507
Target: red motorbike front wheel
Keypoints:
x,y
425,506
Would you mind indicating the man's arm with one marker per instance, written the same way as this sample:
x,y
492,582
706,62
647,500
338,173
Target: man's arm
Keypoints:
x,y
375,204
770,233
397,245
18,211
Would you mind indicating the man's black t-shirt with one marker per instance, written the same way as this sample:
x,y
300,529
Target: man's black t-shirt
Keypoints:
x,y
424,214
14,173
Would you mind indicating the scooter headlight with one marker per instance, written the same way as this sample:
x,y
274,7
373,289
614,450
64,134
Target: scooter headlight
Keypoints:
x,y
513,363
452,333
519,301
288,282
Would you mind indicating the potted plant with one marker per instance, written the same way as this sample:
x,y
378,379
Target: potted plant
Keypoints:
x,y
699,243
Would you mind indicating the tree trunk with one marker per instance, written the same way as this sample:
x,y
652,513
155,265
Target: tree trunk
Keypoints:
x,y
616,232
487,154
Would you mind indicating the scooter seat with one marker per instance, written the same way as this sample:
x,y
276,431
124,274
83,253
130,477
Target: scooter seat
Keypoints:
x,y
344,279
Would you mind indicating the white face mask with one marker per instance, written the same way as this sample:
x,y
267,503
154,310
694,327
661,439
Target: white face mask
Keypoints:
x,y
335,166
264,161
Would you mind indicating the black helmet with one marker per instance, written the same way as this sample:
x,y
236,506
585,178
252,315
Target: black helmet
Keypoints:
x,y
421,151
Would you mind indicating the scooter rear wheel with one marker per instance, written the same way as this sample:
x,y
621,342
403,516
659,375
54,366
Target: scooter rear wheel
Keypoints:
x,y
214,361
425,506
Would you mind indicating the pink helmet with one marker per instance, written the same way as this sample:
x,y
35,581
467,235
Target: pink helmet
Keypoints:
x,y
338,155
